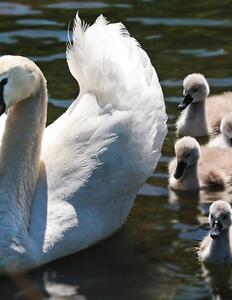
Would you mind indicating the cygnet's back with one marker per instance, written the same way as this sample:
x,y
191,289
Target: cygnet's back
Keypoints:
x,y
215,167
217,106
223,140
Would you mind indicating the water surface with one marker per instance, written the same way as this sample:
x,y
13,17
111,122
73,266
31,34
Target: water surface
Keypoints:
x,y
154,255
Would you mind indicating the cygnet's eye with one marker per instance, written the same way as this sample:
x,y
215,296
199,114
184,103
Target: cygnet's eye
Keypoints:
x,y
195,90
224,216
4,81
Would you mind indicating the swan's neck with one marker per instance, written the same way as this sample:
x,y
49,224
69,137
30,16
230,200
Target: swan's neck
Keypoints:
x,y
197,119
19,159
189,180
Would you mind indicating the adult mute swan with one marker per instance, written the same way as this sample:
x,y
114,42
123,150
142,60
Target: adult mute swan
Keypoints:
x,y
94,158
216,246
201,115
196,167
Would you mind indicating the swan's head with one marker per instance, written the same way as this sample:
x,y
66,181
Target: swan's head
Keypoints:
x,y
226,127
196,89
187,152
220,217
19,79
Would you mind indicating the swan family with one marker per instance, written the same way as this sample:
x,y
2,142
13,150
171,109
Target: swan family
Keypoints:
x,y
66,187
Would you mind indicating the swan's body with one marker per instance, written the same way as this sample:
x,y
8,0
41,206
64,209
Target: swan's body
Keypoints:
x,y
95,156
196,167
201,114
224,139
216,247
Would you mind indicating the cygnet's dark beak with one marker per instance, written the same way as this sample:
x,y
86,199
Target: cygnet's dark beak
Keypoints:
x,y
216,230
180,169
2,109
2,103
186,101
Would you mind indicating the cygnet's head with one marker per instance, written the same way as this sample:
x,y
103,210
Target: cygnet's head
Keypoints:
x,y
19,79
195,89
187,152
226,127
220,218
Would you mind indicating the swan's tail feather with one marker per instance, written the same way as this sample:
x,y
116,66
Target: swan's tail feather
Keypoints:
x,y
110,64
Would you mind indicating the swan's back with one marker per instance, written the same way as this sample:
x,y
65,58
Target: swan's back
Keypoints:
x,y
99,153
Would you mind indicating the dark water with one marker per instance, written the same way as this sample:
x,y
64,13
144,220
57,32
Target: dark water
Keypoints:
x,y
153,256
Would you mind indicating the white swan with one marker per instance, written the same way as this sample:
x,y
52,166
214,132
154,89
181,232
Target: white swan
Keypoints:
x,y
196,167
94,157
223,140
216,246
201,115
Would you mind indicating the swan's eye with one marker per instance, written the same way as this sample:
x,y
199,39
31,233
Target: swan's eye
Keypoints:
x,y
4,81
195,90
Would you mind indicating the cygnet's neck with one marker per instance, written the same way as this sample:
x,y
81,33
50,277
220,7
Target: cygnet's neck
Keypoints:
x,y
189,180
19,159
220,248
197,119
227,141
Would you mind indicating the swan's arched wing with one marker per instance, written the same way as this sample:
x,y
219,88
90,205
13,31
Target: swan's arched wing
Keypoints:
x,y
104,147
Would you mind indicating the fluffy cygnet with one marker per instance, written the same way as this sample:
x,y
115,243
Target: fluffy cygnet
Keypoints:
x,y
216,247
201,115
223,140
197,167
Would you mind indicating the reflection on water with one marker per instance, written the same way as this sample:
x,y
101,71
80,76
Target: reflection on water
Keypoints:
x,y
154,255
181,22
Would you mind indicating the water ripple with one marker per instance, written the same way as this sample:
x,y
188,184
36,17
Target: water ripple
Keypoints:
x,y
153,37
60,103
13,9
11,37
78,5
38,22
180,21
216,82
87,5
151,190
203,52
